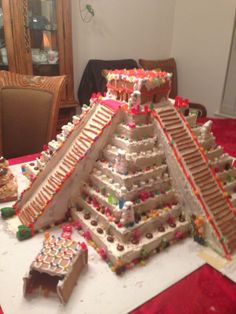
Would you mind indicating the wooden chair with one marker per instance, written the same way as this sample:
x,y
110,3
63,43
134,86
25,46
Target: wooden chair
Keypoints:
x,y
29,108
169,65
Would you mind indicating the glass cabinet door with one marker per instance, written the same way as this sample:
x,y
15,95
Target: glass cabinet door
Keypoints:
x,y
43,37
3,49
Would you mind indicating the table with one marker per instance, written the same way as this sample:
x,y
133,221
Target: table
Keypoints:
x,y
205,290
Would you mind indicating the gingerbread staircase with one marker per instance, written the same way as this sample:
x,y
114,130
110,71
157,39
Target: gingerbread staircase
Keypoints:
x,y
206,186
42,194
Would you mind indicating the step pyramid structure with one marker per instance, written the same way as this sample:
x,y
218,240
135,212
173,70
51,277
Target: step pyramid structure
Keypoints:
x,y
135,173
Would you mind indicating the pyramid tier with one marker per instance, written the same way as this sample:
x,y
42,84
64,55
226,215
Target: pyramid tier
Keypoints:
x,y
109,220
139,245
131,146
140,160
228,180
230,187
140,118
191,119
32,169
103,182
137,132
233,199
223,162
227,174
214,153
153,202
150,173
207,143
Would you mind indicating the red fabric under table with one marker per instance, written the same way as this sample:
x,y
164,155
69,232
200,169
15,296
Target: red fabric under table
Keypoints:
x,y
205,291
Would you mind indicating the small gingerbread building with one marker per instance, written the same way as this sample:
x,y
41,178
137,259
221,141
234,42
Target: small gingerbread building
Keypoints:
x,y
56,268
8,185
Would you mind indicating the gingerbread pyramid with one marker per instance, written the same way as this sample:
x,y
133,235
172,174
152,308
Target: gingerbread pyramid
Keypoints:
x,y
136,173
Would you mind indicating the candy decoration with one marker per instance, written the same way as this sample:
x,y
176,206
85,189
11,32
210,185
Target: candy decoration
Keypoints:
x,y
131,125
121,203
7,212
110,198
46,236
179,235
144,254
103,253
23,232
151,106
66,235
77,225
83,246
87,235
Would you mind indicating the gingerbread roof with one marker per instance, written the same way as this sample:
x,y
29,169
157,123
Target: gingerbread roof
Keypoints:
x,y
57,256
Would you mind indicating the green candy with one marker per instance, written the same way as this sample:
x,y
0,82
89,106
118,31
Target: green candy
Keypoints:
x,y
144,254
7,212
23,232
110,198
222,239
151,106
164,244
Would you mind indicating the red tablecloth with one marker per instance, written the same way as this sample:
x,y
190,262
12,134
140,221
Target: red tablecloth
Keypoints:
x,y
205,291
22,159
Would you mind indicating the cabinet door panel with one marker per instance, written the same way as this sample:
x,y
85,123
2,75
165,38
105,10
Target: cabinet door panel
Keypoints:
x,y
7,60
21,36
42,23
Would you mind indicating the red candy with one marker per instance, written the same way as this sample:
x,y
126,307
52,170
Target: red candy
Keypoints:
x,y
66,235
67,228
83,246
102,252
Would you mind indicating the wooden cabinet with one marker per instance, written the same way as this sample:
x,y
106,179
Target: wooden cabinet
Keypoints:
x,y
36,38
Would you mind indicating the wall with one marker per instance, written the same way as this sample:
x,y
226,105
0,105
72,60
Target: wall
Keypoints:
x,y
229,99
122,29
202,35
